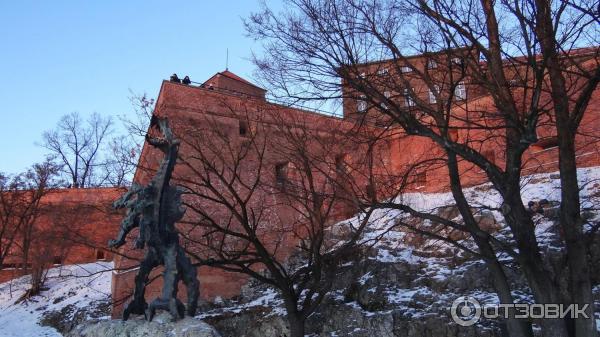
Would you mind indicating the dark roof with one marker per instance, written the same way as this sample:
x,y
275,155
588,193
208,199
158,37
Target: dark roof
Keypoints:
x,y
234,77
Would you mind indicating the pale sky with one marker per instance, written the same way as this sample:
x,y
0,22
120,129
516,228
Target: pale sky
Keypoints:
x,y
63,56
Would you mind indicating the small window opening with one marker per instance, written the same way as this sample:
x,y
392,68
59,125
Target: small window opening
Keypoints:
x,y
387,95
243,128
457,61
460,91
281,174
361,104
432,94
341,163
408,100
100,255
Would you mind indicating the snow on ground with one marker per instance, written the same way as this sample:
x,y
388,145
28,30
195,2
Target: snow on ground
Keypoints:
x,y
392,248
267,298
81,285
78,285
533,188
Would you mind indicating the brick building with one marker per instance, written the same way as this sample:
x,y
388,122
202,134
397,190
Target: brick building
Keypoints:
x,y
239,110
471,106
195,113
73,226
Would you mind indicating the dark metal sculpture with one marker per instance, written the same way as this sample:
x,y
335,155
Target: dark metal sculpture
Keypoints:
x,y
155,209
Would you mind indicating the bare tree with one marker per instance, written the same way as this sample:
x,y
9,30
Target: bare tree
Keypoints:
x,y
121,161
77,146
143,106
261,201
22,236
15,210
20,198
532,74
123,151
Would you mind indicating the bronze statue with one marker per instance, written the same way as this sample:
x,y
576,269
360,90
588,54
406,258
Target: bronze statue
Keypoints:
x,y
155,209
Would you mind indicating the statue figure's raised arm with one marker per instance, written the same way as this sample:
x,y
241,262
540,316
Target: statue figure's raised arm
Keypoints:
x,y
132,218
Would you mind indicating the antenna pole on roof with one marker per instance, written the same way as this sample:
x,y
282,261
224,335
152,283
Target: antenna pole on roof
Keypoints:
x,y
227,60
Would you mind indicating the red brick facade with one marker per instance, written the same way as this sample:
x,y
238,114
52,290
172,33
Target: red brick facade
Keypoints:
x,y
81,220
233,104
74,226
408,150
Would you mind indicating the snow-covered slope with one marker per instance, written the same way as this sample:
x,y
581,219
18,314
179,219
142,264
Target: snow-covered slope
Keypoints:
x,y
77,285
413,283
485,200
422,293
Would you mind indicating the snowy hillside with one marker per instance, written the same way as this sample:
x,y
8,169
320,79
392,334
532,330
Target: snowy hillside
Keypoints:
x,y
80,286
407,284
486,201
404,281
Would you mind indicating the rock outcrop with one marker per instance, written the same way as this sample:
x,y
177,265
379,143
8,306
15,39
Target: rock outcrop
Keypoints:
x,y
404,298
161,326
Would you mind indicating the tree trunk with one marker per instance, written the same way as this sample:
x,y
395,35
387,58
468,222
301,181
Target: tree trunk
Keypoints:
x,y
37,280
539,279
515,327
570,212
294,317
296,326
530,260
572,224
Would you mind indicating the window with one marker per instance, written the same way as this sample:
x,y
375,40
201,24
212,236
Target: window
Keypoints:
x,y
406,69
341,163
281,174
457,61
362,75
460,91
386,94
361,104
383,71
431,64
408,100
243,128
100,254
56,260
432,95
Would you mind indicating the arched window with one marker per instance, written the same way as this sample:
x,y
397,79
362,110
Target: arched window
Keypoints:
x,y
361,104
460,92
